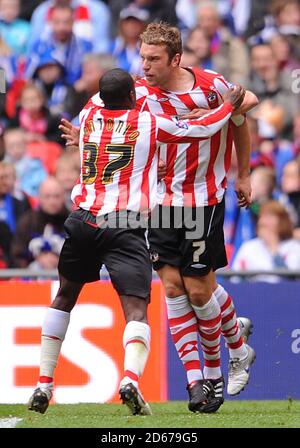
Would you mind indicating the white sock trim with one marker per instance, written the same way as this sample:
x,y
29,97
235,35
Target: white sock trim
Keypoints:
x,y
211,307
137,330
221,295
56,323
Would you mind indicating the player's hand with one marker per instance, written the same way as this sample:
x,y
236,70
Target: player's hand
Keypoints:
x,y
195,113
243,191
235,96
69,132
161,170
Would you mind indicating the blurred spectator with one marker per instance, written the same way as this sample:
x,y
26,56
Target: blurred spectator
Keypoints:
x,y
234,14
282,52
67,173
259,15
229,52
30,172
45,250
2,148
278,103
49,76
263,185
13,30
45,222
158,10
274,248
290,197
92,22
296,134
34,117
94,66
287,21
199,43
61,43
11,209
189,58
126,45
268,152
27,8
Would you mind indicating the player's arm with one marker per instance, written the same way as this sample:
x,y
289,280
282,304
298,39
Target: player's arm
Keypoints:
x,y
241,138
171,130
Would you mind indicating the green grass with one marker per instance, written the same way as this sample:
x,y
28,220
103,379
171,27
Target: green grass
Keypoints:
x,y
237,414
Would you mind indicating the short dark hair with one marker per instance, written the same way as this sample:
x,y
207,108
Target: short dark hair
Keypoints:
x,y
115,86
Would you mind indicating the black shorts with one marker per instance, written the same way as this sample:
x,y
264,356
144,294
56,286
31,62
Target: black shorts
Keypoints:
x,y
189,238
123,251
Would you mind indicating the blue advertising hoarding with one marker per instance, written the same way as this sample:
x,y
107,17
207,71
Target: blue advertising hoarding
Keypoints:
x,y
275,312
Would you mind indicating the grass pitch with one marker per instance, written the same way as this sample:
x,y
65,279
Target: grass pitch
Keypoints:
x,y
241,414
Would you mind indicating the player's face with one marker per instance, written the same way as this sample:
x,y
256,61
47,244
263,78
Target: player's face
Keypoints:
x,y
156,64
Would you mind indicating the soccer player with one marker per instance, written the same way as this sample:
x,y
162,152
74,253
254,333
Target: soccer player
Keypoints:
x,y
195,179
118,181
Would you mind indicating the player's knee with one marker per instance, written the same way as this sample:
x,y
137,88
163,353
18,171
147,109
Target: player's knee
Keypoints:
x,y
199,295
174,289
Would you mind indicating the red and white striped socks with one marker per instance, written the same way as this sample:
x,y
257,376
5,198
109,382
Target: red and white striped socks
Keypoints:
x,y
229,325
209,323
136,342
184,332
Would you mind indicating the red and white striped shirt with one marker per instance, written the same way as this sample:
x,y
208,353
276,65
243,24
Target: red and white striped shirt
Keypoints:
x,y
196,172
119,154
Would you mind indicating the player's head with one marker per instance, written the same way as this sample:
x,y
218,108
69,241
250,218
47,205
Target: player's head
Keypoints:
x,y
161,52
117,89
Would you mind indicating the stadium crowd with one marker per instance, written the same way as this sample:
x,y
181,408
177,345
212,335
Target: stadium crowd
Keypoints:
x,y
53,53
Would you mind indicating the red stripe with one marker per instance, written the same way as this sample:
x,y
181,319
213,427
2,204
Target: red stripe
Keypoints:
x,y
171,150
210,348
82,197
212,362
210,336
103,159
51,337
236,344
226,304
91,224
174,321
192,165
133,376
183,347
177,336
139,341
45,379
192,365
145,188
209,323
187,100
215,141
229,330
125,173
228,317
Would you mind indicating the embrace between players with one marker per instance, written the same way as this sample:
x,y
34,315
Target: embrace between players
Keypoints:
x,y
123,133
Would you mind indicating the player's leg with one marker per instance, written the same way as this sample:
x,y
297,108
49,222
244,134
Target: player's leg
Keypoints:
x,y
77,265
165,252
54,329
182,322
208,314
241,354
136,343
202,250
130,270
